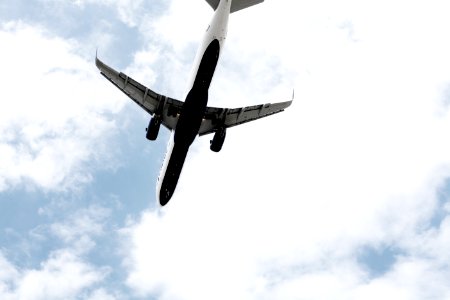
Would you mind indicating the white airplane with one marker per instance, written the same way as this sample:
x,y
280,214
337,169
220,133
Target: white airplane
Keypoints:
x,y
192,117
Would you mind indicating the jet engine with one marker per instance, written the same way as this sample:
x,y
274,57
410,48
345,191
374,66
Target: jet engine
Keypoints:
x,y
218,139
153,128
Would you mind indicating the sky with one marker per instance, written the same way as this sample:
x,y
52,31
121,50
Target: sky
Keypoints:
x,y
345,195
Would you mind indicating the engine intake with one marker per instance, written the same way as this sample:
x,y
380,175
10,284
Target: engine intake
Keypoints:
x,y
218,139
153,128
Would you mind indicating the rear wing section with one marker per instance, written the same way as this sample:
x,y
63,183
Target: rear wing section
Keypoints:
x,y
236,4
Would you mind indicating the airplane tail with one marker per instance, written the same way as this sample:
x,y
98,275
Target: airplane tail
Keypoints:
x,y
236,4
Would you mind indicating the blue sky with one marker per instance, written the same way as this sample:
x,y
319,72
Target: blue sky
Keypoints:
x,y
343,196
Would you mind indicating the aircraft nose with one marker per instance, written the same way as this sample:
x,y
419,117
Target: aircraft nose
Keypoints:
x,y
164,196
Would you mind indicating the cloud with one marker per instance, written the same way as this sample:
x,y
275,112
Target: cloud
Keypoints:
x,y
62,276
8,274
101,294
56,117
67,272
80,229
293,203
129,12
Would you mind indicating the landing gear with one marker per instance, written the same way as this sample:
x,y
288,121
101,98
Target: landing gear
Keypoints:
x,y
218,139
153,128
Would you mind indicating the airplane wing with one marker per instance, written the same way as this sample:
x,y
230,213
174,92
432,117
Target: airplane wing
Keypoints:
x,y
169,109
216,118
153,103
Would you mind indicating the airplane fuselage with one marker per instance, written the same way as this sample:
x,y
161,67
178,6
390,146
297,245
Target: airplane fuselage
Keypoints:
x,y
192,117
196,101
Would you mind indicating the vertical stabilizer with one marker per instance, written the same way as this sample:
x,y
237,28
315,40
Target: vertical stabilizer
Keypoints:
x,y
236,4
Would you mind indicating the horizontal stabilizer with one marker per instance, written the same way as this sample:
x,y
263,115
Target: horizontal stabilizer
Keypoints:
x,y
236,4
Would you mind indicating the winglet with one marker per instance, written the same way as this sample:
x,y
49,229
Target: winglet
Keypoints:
x,y
97,61
293,91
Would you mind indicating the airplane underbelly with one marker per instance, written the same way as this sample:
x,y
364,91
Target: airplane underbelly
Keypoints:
x,y
191,117
197,98
190,120
172,174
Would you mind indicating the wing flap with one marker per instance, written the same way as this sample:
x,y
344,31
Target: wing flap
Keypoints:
x,y
146,98
224,117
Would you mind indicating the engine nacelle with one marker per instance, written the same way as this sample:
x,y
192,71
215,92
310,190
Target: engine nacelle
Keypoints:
x,y
218,139
153,128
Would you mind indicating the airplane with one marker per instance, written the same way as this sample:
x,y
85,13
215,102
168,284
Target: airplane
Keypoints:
x,y
191,118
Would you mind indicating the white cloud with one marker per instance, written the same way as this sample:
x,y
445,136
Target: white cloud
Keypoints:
x,y
56,111
291,202
66,273
129,11
8,274
411,278
184,31
80,229
62,276
101,294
